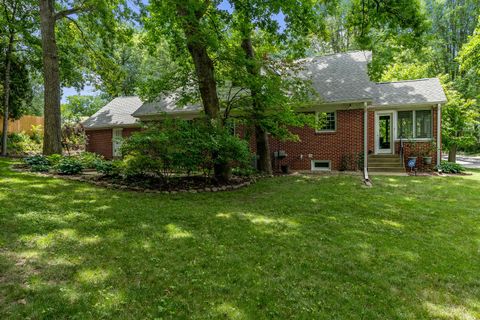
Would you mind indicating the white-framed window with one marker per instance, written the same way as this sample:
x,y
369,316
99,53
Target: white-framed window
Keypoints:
x,y
321,165
117,140
414,124
329,121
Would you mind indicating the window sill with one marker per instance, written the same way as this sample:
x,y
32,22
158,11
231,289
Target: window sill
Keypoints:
x,y
416,140
325,131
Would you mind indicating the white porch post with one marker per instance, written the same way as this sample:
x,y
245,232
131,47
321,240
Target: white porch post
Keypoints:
x,y
365,140
439,133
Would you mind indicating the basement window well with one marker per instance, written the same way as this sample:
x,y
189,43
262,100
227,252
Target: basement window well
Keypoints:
x,y
321,165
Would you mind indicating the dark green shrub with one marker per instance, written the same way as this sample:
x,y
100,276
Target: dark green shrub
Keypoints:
x,y
243,171
69,166
37,160
89,159
450,167
182,147
40,168
109,168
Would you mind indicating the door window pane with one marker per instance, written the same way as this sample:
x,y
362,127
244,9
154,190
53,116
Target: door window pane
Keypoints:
x,y
423,119
405,124
384,134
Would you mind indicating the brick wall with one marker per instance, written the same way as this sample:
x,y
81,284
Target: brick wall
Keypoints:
x,y
340,147
344,147
100,141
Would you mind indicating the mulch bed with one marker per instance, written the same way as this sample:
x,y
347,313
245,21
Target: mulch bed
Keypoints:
x,y
151,184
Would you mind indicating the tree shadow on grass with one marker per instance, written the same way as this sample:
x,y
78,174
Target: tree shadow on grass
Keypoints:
x,y
398,250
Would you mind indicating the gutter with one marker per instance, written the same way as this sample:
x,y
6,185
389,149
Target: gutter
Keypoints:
x,y
439,134
366,178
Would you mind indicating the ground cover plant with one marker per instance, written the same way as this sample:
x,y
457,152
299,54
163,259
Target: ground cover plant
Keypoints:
x,y
313,247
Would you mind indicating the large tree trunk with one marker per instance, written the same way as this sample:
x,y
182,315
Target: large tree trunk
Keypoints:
x,y
261,135
52,142
204,70
6,93
452,153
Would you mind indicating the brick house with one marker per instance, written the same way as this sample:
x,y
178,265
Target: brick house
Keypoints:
x,y
369,126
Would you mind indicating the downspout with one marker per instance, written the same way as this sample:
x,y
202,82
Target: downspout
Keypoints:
x,y
439,134
365,145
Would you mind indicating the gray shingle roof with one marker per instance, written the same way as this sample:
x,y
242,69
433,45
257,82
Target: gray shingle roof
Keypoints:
x,y
409,92
340,77
336,78
116,113
166,103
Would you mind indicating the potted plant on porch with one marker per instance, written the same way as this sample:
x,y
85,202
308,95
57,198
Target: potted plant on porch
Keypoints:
x,y
412,150
427,154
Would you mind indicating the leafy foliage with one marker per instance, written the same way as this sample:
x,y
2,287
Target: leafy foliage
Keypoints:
x,y
69,166
450,167
23,144
37,160
73,137
182,147
78,107
89,160
109,168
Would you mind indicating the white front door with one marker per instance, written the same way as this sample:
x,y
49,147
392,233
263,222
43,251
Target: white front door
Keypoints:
x,y
384,133
116,141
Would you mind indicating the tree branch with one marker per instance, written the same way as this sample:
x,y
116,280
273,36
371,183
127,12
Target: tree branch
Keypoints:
x,y
67,12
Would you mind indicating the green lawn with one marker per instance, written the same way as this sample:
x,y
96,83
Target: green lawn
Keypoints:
x,y
293,247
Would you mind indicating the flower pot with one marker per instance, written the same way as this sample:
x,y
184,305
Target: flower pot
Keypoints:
x,y
427,160
412,162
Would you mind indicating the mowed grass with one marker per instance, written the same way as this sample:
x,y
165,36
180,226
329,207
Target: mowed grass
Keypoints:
x,y
285,248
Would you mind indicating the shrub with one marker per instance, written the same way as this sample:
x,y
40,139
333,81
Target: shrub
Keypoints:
x,y
243,171
89,159
40,168
109,168
450,167
73,137
54,159
23,144
183,147
69,166
37,160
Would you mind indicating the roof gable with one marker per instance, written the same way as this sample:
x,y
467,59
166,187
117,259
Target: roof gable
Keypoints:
x,y
116,113
340,77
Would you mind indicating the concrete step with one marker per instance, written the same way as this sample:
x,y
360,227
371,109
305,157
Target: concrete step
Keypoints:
x,y
385,165
386,169
385,161
383,156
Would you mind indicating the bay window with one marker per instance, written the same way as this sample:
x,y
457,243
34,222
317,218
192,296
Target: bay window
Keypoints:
x,y
414,124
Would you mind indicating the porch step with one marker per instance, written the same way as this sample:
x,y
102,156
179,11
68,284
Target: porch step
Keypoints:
x,y
392,161
386,169
384,156
385,163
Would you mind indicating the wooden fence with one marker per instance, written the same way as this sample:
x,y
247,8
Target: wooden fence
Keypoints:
x,y
24,124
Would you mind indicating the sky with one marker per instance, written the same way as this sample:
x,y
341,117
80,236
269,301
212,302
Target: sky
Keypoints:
x,y
89,90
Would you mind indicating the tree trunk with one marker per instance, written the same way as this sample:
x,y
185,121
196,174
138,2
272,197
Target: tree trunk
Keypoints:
x,y
51,75
6,93
452,153
204,70
261,136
